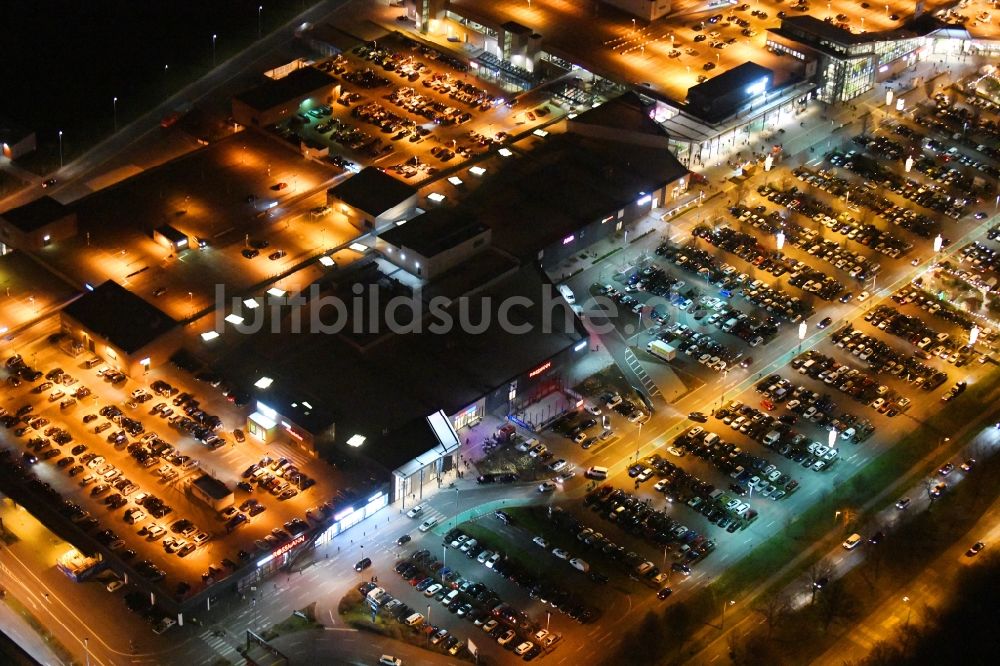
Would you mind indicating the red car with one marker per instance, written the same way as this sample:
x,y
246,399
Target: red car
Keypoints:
x,y
279,186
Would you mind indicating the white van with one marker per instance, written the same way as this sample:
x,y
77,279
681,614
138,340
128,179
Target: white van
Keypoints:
x,y
804,368
596,472
415,620
771,438
852,541
567,293
388,660
710,438
448,598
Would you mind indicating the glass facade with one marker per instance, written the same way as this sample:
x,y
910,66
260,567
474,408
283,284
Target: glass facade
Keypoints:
x,y
844,80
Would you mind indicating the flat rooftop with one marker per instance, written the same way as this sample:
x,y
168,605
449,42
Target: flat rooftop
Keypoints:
x,y
608,42
120,317
372,191
402,376
434,231
36,214
614,46
565,182
274,92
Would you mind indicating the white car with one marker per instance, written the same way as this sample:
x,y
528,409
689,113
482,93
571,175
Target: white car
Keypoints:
x,y
539,541
863,296
523,648
567,293
674,451
593,409
415,511
428,524
114,585
661,485
560,553
546,487
483,556
492,562
558,465
432,590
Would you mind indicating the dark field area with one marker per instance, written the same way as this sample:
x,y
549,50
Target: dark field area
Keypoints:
x,y
63,61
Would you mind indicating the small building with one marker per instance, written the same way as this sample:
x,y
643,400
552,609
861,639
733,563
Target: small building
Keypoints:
x,y
649,10
122,328
171,238
36,225
275,100
433,242
212,492
371,198
723,95
16,140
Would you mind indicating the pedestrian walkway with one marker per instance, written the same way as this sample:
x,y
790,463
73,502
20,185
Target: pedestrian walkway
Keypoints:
x,y
651,388
219,642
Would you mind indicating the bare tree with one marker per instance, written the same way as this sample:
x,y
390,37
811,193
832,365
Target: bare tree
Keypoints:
x,y
819,575
836,603
773,608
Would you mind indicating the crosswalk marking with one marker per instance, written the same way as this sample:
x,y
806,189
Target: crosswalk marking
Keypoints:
x,y
219,644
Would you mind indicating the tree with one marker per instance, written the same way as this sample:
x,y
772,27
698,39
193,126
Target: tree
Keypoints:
x,y
819,575
836,603
773,607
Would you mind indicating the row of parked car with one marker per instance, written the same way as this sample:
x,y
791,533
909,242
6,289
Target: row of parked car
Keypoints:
x,y
747,247
841,222
773,300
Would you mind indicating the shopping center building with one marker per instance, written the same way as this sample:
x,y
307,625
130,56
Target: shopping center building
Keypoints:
x,y
597,51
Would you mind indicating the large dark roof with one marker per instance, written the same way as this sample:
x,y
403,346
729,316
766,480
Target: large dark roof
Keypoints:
x,y
736,78
626,112
565,183
35,215
120,317
434,231
372,191
383,387
274,92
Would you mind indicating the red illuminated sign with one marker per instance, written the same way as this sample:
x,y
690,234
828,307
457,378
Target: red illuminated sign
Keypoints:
x,y
288,546
540,369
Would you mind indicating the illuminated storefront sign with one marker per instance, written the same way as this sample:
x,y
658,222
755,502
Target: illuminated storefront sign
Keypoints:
x,y
281,550
540,369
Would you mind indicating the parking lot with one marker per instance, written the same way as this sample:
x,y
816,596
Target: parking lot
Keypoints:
x,y
118,455
409,109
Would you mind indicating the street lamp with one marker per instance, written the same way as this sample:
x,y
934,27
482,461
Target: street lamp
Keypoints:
x,y
832,439
86,650
909,163
114,111
260,31
780,241
973,335
214,37
802,334
60,150
938,242
730,603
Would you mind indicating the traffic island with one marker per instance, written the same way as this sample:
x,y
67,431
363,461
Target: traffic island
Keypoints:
x,y
357,612
300,620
